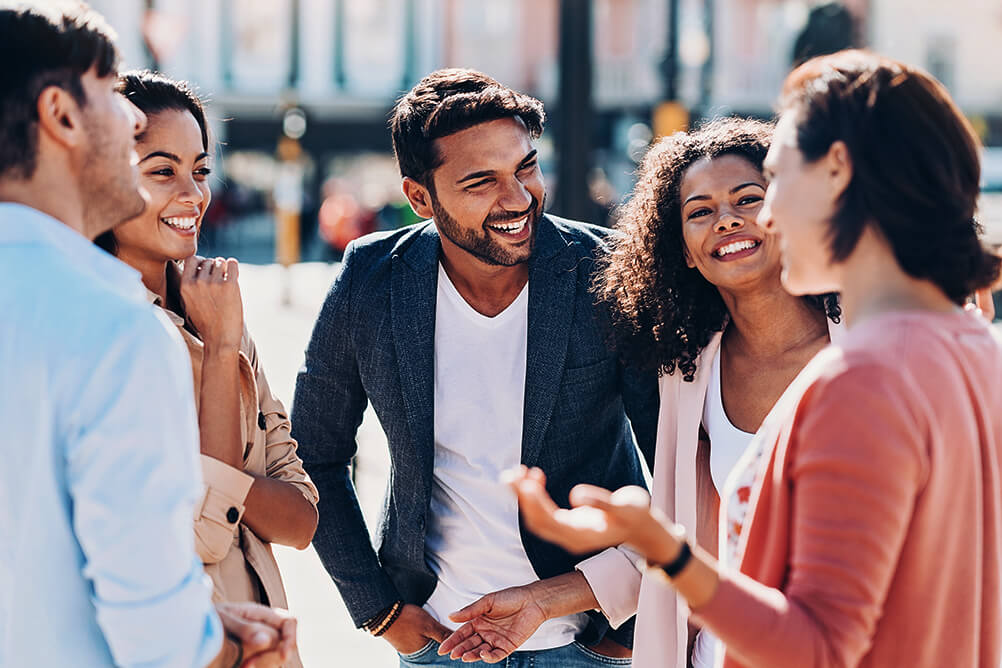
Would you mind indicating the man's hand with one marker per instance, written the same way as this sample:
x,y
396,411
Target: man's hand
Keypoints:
x,y
500,622
413,629
496,625
267,635
599,519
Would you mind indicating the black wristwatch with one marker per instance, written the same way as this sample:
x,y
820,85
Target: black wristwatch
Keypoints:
x,y
676,565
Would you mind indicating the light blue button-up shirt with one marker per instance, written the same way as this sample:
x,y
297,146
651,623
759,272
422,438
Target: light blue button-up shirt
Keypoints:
x,y
98,463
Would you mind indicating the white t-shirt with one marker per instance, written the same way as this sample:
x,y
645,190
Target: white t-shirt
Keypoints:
x,y
473,542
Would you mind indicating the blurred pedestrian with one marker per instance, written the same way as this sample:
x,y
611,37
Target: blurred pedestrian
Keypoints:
x,y
875,531
475,339
100,478
256,492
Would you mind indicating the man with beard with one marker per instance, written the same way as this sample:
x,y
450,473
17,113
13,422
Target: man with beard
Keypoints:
x,y
100,475
475,339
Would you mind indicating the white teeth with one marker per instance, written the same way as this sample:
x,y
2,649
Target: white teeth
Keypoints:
x,y
180,223
511,228
736,247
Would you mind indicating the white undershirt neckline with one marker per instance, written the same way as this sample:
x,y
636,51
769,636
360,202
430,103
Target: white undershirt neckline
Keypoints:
x,y
727,442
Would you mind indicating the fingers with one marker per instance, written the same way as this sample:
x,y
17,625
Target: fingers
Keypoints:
x,y
287,640
493,655
630,496
590,495
214,270
479,607
190,267
474,654
254,636
232,269
461,640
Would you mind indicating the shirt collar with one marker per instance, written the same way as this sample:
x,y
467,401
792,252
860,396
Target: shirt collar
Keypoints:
x,y
21,224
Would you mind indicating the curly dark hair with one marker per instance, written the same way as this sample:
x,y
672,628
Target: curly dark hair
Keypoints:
x,y
663,312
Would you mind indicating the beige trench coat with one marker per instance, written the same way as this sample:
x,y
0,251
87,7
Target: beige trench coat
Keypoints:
x,y
241,565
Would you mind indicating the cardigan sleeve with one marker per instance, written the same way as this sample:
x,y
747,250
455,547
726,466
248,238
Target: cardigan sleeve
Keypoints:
x,y
856,463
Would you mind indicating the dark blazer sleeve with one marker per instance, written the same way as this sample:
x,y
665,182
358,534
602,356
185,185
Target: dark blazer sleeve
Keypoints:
x,y
327,411
642,404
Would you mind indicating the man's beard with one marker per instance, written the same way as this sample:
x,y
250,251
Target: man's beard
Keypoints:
x,y
111,193
483,245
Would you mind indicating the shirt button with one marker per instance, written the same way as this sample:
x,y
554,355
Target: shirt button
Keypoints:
x,y
232,515
260,421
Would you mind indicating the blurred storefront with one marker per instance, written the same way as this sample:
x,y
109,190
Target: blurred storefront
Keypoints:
x,y
345,62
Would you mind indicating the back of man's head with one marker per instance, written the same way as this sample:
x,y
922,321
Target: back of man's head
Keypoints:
x,y
44,44
448,101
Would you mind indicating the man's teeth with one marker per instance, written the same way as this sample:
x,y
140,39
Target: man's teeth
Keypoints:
x,y
180,223
736,247
511,228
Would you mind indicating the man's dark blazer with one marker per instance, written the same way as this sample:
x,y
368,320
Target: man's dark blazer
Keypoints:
x,y
374,341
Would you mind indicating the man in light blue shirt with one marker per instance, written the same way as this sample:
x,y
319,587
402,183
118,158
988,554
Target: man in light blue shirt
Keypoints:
x,y
100,459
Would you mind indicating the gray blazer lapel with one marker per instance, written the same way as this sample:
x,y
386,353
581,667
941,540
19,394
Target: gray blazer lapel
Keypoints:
x,y
552,291
414,281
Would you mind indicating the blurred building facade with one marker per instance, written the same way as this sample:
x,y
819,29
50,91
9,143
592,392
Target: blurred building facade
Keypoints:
x,y
344,63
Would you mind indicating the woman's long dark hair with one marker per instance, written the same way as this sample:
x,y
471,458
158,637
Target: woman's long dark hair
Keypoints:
x,y
664,312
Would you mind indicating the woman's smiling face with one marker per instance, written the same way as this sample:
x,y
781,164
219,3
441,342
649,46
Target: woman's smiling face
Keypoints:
x,y
720,200
174,169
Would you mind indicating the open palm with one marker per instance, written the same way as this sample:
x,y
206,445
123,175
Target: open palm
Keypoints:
x,y
496,625
599,519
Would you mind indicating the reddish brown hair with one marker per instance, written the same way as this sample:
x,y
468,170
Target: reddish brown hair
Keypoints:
x,y
915,162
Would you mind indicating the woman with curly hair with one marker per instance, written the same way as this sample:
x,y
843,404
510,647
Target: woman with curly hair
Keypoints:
x,y
694,285
874,534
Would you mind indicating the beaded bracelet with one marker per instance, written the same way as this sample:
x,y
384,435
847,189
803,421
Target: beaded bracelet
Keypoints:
x,y
380,618
388,622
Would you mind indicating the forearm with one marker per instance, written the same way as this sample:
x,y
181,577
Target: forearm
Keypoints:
x,y
219,406
343,545
279,513
563,595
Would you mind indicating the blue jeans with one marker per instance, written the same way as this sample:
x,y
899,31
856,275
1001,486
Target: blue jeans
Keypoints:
x,y
574,655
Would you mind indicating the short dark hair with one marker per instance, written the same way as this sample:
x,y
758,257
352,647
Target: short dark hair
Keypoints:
x,y
42,46
915,162
154,93
663,311
448,101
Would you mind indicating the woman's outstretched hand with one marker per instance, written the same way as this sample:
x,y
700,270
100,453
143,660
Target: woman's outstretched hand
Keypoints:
x,y
599,518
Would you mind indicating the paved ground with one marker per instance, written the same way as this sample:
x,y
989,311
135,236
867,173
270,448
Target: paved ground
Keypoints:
x,y
326,635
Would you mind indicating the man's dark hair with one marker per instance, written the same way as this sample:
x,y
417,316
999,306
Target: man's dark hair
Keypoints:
x,y
915,164
448,101
41,46
154,93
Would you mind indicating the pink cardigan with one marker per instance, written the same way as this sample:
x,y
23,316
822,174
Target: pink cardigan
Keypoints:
x,y
875,537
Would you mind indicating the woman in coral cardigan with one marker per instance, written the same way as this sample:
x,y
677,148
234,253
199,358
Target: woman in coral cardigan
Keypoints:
x,y
875,531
